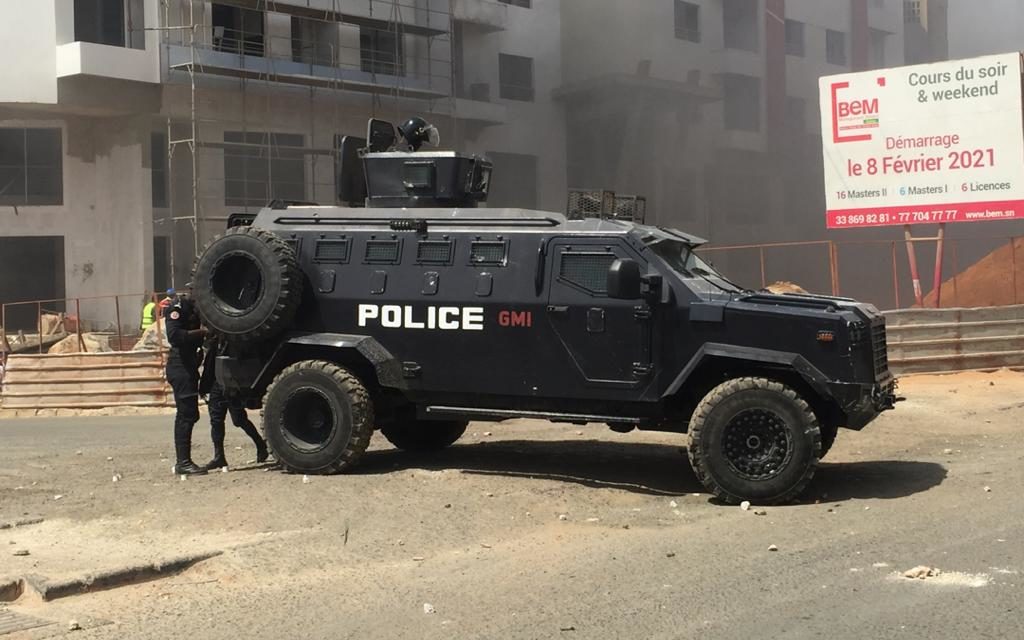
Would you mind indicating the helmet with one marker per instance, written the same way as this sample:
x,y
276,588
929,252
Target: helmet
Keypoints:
x,y
171,292
416,131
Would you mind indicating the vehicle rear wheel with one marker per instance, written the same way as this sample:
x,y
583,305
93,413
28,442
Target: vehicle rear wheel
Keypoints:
x,y
317,418
247,284
424,435
828,437
754,439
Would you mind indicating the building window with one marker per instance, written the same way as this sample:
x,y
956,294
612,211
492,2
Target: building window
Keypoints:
x,y
382,52
517,3
515,73
158,168
314,42
835,47
687,21
31,167
100,22
912,11
260,167
739,18
878,38
794,38
741,102
237,30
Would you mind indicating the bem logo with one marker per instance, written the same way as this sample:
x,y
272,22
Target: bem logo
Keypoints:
x,y
857,108
853,119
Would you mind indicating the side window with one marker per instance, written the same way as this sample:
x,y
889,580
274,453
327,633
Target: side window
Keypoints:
x,y
587,270
383,251
334,250
436,252
492,253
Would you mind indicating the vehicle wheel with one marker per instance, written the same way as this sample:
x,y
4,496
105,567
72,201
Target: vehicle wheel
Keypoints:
x,y
828,438
317,418
754,439
424,435
247,284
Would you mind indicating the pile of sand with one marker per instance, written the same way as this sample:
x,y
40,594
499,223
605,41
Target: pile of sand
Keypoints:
x,y
785,287
152,337
988,282
93,343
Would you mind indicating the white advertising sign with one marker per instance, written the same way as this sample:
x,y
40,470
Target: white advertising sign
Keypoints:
x,y
924,144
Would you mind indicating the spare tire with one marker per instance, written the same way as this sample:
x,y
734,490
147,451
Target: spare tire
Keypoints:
x,y
247,284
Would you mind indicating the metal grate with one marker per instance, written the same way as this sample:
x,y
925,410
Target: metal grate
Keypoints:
x,y
589,203
630,208
332,250
880,349
11,622
487,252
382,251
587,270
434,252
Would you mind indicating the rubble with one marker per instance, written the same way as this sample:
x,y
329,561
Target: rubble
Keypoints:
x,y
428,608
921,572
772,547
782,286
91,343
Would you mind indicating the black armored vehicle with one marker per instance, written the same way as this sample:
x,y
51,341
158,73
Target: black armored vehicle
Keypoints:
x,y
414,311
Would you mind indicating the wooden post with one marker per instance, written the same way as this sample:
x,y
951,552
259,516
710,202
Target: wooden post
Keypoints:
x,y
78,324
39,325
915,277
117,313
940,242
895,277
764,283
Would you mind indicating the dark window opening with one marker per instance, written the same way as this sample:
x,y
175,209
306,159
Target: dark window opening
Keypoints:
x,y
31,162
488,252
159,175
161,263
383,251
336,251
434,252
100,22
44,281
796,114
517,3
741,102
588,271
741,28
795,38
315,42
237,30
687,21
260,167
878,38
515,73
835,47
382,52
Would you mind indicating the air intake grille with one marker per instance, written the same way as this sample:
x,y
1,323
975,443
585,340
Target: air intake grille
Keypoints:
x,y
879,348
491,253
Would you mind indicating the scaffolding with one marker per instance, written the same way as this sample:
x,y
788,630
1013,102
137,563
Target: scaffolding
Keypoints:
x,y
257,94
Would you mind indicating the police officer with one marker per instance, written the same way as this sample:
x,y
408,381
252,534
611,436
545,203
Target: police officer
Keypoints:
x,y
185,334
220,405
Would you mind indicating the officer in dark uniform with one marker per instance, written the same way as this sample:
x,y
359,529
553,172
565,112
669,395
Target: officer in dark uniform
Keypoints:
x,y
185,334
220,405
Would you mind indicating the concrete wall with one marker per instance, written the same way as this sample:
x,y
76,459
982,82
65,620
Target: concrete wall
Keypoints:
x,y
28,47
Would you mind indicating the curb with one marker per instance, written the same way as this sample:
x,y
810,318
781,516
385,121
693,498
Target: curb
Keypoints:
x,y
47,589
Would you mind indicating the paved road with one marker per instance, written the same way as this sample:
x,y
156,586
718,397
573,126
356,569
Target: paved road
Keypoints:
x,y
475,533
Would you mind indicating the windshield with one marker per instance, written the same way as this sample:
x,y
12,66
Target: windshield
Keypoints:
x,y
682,259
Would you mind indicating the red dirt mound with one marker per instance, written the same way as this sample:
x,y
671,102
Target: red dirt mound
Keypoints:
x,y
989,282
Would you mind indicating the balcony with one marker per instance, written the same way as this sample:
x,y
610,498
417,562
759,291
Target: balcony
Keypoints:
x,y
105,61
486,15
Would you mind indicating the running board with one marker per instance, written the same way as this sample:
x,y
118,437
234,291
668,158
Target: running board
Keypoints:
x,y
505,414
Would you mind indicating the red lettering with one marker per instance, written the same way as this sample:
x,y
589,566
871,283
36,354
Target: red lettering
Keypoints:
x,y
504,318
857,108
522,319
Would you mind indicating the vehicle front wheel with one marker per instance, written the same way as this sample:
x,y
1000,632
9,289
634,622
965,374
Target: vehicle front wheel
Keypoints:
x,y
424,435
317,418
754,439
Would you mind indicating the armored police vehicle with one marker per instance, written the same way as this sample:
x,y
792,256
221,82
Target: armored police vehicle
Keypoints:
x,y
421,311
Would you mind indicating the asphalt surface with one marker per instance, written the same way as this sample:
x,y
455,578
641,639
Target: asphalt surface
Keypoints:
x,y
470,543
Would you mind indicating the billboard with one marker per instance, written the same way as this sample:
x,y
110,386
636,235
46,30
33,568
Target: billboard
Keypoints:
x,y
924,144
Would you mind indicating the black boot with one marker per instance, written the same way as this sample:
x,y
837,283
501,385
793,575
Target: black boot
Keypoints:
x,y
262,452
185,466
218,462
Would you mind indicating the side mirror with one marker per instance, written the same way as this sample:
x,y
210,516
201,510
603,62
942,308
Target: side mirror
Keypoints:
x,y
624,280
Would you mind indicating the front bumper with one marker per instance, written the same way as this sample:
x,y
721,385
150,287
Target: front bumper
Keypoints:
x,y
862,403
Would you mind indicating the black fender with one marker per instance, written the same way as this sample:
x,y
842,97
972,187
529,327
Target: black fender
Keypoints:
x,y
256,373
818,381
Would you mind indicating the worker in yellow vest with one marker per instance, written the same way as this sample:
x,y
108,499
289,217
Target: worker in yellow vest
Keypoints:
x,y
148,314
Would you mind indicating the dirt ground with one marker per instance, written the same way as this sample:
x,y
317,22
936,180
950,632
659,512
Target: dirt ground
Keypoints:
x,y
530,530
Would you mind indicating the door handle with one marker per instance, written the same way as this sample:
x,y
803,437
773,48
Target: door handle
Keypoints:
x,y
558,309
